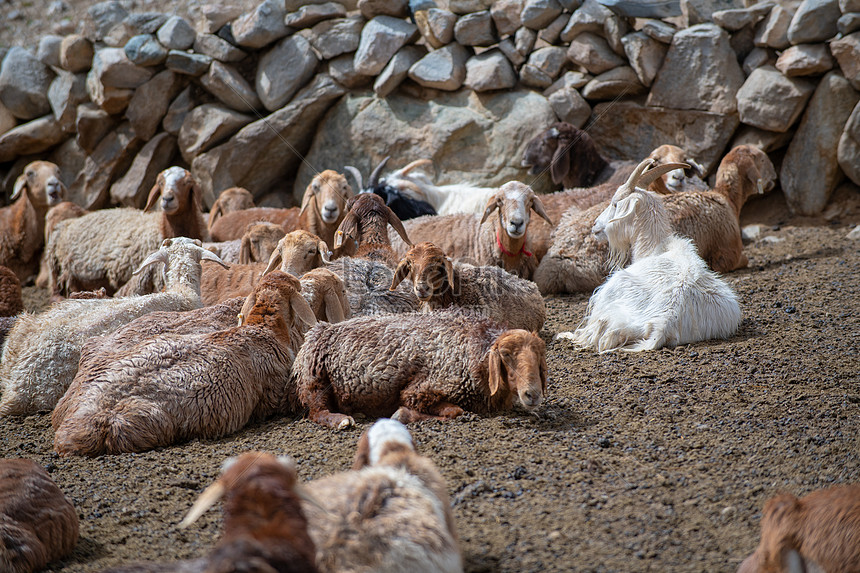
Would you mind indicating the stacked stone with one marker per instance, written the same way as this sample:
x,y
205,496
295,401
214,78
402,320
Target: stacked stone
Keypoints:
x,y
241,97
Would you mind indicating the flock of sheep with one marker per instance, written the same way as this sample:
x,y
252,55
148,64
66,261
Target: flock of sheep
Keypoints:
x,y
407,300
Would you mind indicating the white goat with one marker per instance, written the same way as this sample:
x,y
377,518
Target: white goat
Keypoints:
x,y
446,199
667,296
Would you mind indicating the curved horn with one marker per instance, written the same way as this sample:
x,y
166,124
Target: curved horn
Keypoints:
x,y
356,174
206,500
633,180
395,222
207,255
414,165
159,256
374,177
651,175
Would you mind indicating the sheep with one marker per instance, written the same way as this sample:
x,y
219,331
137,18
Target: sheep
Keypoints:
x,y
487,291
667,296
298,252
41,354
326,295
23,222
265,528
322,210
816,533
391,512
404,205
576,261
417,366
11,301
366,223
59,212
38,524
171,388
257,244
501,242
367,287
228,201
101,249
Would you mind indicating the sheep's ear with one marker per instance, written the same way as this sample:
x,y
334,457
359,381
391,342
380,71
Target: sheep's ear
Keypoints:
x,y
325,254
274,261
395,222
159,256
333,310
154,194
493,204
496,369
449,268
207,255
543,371
362,452
306,198
537,207
214,214
402,271
196,194
348,228
625,207
302,310
245,251
250,301
560,166
20,185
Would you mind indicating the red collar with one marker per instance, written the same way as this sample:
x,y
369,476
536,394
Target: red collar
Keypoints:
x,y
507,252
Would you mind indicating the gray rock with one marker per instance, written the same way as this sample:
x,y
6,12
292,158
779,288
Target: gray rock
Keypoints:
x,y
598,19
551,33
67,91
491,71
506,16
572,80
701,11
477,139
773,31
342,70
660,31
145,22
846,6
7,120
150,101
769,100
700,72
34,136
92,125
570,5
213,16
110,99
593,53
468,6
118,35
218,48
176,34
543,66
380,40
293,5
179,108
283,70
144,50
312,14
397,69
848,152
132,189
443,69
757,58
207,126
848,23
644,8
569,106
617,82
765,140
262,26
76,53
227,84
335,37
814,21
188,64
805,60
263,154
373,8
810,170
508,48
436,26
847,52
703,134
114,70
49,50
734,19
24,83
524,40
111,156
101,18
645,55
537,14
475,29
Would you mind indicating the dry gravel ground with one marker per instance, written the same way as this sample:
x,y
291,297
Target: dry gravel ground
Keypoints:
x,y
657,461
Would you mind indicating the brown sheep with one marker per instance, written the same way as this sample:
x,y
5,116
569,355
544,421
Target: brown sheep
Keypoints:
x,y
37,523
23,222
298,252
228,201
417,366
60,212
818,532
366,222
322,210
172,388
326,295
11,301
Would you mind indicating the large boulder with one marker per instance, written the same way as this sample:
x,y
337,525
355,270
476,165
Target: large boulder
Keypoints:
x,y
849,147
24,83
475,138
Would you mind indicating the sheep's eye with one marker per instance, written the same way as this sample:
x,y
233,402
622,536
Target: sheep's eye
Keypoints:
x,y
30,174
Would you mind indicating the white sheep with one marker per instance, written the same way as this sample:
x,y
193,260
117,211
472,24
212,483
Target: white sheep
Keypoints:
x,y
41,354
667,296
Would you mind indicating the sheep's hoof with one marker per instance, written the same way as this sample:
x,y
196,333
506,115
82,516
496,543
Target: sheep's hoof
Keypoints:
x,y
345,423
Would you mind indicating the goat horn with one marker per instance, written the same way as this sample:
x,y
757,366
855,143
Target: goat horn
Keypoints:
x,y
415,164
374,177
651,175
633,180
356,174
206,500
207,255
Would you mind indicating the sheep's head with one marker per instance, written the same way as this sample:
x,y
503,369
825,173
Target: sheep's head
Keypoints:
x,y
429,268
328,192
384,436
750,168
297,253
259,241
517,365
676,179
280,292
515,201
368,213
333,292
179,247
232,199
177,189
568,152
41,181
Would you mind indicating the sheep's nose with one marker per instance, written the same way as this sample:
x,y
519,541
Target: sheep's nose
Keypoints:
x,y
423,292
330,211
530,399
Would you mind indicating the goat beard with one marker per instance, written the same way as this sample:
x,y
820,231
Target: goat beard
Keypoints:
x,y
619,255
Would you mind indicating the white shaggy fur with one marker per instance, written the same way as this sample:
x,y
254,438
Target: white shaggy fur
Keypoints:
x,y
446,199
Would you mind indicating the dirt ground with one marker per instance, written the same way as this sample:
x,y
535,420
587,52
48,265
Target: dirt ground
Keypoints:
x,y
657,461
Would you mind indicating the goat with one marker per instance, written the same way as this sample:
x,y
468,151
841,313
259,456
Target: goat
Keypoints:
x,y
172,388
487,291
416,366
391,512
228,201
366,223
401,203
667,296
816,533
38,524
23,222
41,354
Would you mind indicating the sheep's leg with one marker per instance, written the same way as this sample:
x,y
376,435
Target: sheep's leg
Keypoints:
x,y
319,399
331,419
422,404
443,411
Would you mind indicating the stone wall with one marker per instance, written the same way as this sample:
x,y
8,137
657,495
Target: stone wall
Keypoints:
x,y
243,98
